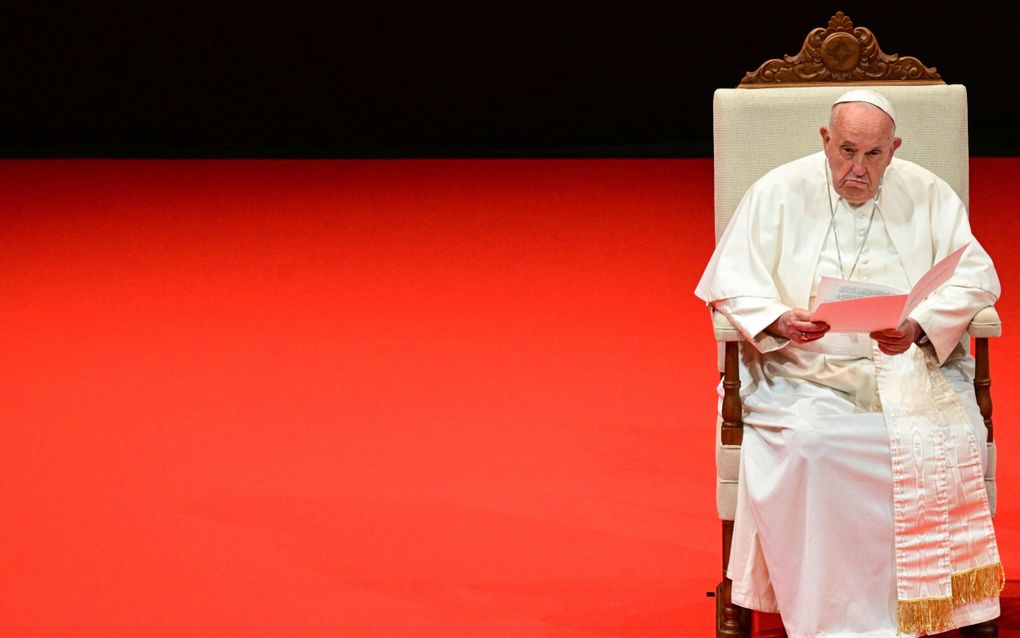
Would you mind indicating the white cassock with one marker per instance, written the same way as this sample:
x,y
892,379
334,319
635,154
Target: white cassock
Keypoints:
x,y
814,534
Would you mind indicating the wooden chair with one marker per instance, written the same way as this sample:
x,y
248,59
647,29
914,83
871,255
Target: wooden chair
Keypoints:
x,y
771,118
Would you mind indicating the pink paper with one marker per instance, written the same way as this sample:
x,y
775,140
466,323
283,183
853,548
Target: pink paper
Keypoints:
x,y
872,313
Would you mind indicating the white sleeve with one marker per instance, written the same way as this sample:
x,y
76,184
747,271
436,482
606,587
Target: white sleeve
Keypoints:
x,y
947,312
751,315
739,280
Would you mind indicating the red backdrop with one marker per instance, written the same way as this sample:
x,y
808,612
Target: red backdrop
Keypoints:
x,y
356,398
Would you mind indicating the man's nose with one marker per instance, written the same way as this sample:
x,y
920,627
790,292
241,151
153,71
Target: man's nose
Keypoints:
x,y
858,165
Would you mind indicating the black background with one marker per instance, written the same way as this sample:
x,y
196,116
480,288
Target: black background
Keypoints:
x,y
390,79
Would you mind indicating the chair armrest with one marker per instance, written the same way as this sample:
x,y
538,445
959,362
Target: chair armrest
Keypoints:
x,y
726,331
984,324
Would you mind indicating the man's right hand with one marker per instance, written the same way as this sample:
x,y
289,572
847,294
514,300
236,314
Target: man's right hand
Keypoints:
x,y
796,325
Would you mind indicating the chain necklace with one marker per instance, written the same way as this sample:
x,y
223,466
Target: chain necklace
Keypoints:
x,y
832,224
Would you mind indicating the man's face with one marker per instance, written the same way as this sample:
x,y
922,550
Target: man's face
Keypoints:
x,y
859,144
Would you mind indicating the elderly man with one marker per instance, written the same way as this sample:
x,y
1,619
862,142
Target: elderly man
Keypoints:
x,y
861,510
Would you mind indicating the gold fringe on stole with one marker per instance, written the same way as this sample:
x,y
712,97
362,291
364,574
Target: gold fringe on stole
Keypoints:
x,y
930,615
924,615
978,583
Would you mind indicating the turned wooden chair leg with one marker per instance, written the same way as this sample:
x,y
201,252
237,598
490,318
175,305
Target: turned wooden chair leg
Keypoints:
x,y
983,383
731,621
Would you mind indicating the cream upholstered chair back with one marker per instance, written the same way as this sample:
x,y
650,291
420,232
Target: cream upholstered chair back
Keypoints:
x,y
756,130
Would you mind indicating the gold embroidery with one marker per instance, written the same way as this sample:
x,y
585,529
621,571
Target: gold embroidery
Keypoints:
x,y
978,583
924,615
930,615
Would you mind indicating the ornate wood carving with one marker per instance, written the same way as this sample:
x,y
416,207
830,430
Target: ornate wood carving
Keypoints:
x,y
841,53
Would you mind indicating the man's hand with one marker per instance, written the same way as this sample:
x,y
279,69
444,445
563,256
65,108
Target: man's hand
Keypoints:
x,y
898,340
796,325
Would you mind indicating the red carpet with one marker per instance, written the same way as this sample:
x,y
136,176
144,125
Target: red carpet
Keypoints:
x,y
400,398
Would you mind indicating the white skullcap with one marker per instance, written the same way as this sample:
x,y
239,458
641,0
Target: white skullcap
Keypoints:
x,y
870,97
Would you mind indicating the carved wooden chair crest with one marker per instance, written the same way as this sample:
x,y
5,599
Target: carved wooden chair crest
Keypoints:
x,y
777,121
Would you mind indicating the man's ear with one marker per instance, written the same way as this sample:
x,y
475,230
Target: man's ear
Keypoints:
x,y
895,144
824,132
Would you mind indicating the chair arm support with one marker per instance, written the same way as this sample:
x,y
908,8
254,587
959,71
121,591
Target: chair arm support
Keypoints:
x,y
727,335
984,324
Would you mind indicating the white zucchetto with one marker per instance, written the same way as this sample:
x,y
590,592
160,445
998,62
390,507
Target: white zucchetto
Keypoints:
x,y
870,97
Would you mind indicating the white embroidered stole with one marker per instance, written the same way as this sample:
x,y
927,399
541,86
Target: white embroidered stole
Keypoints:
x,y
946,554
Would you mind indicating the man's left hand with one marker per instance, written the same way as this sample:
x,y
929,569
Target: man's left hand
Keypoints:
x,y
898,340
